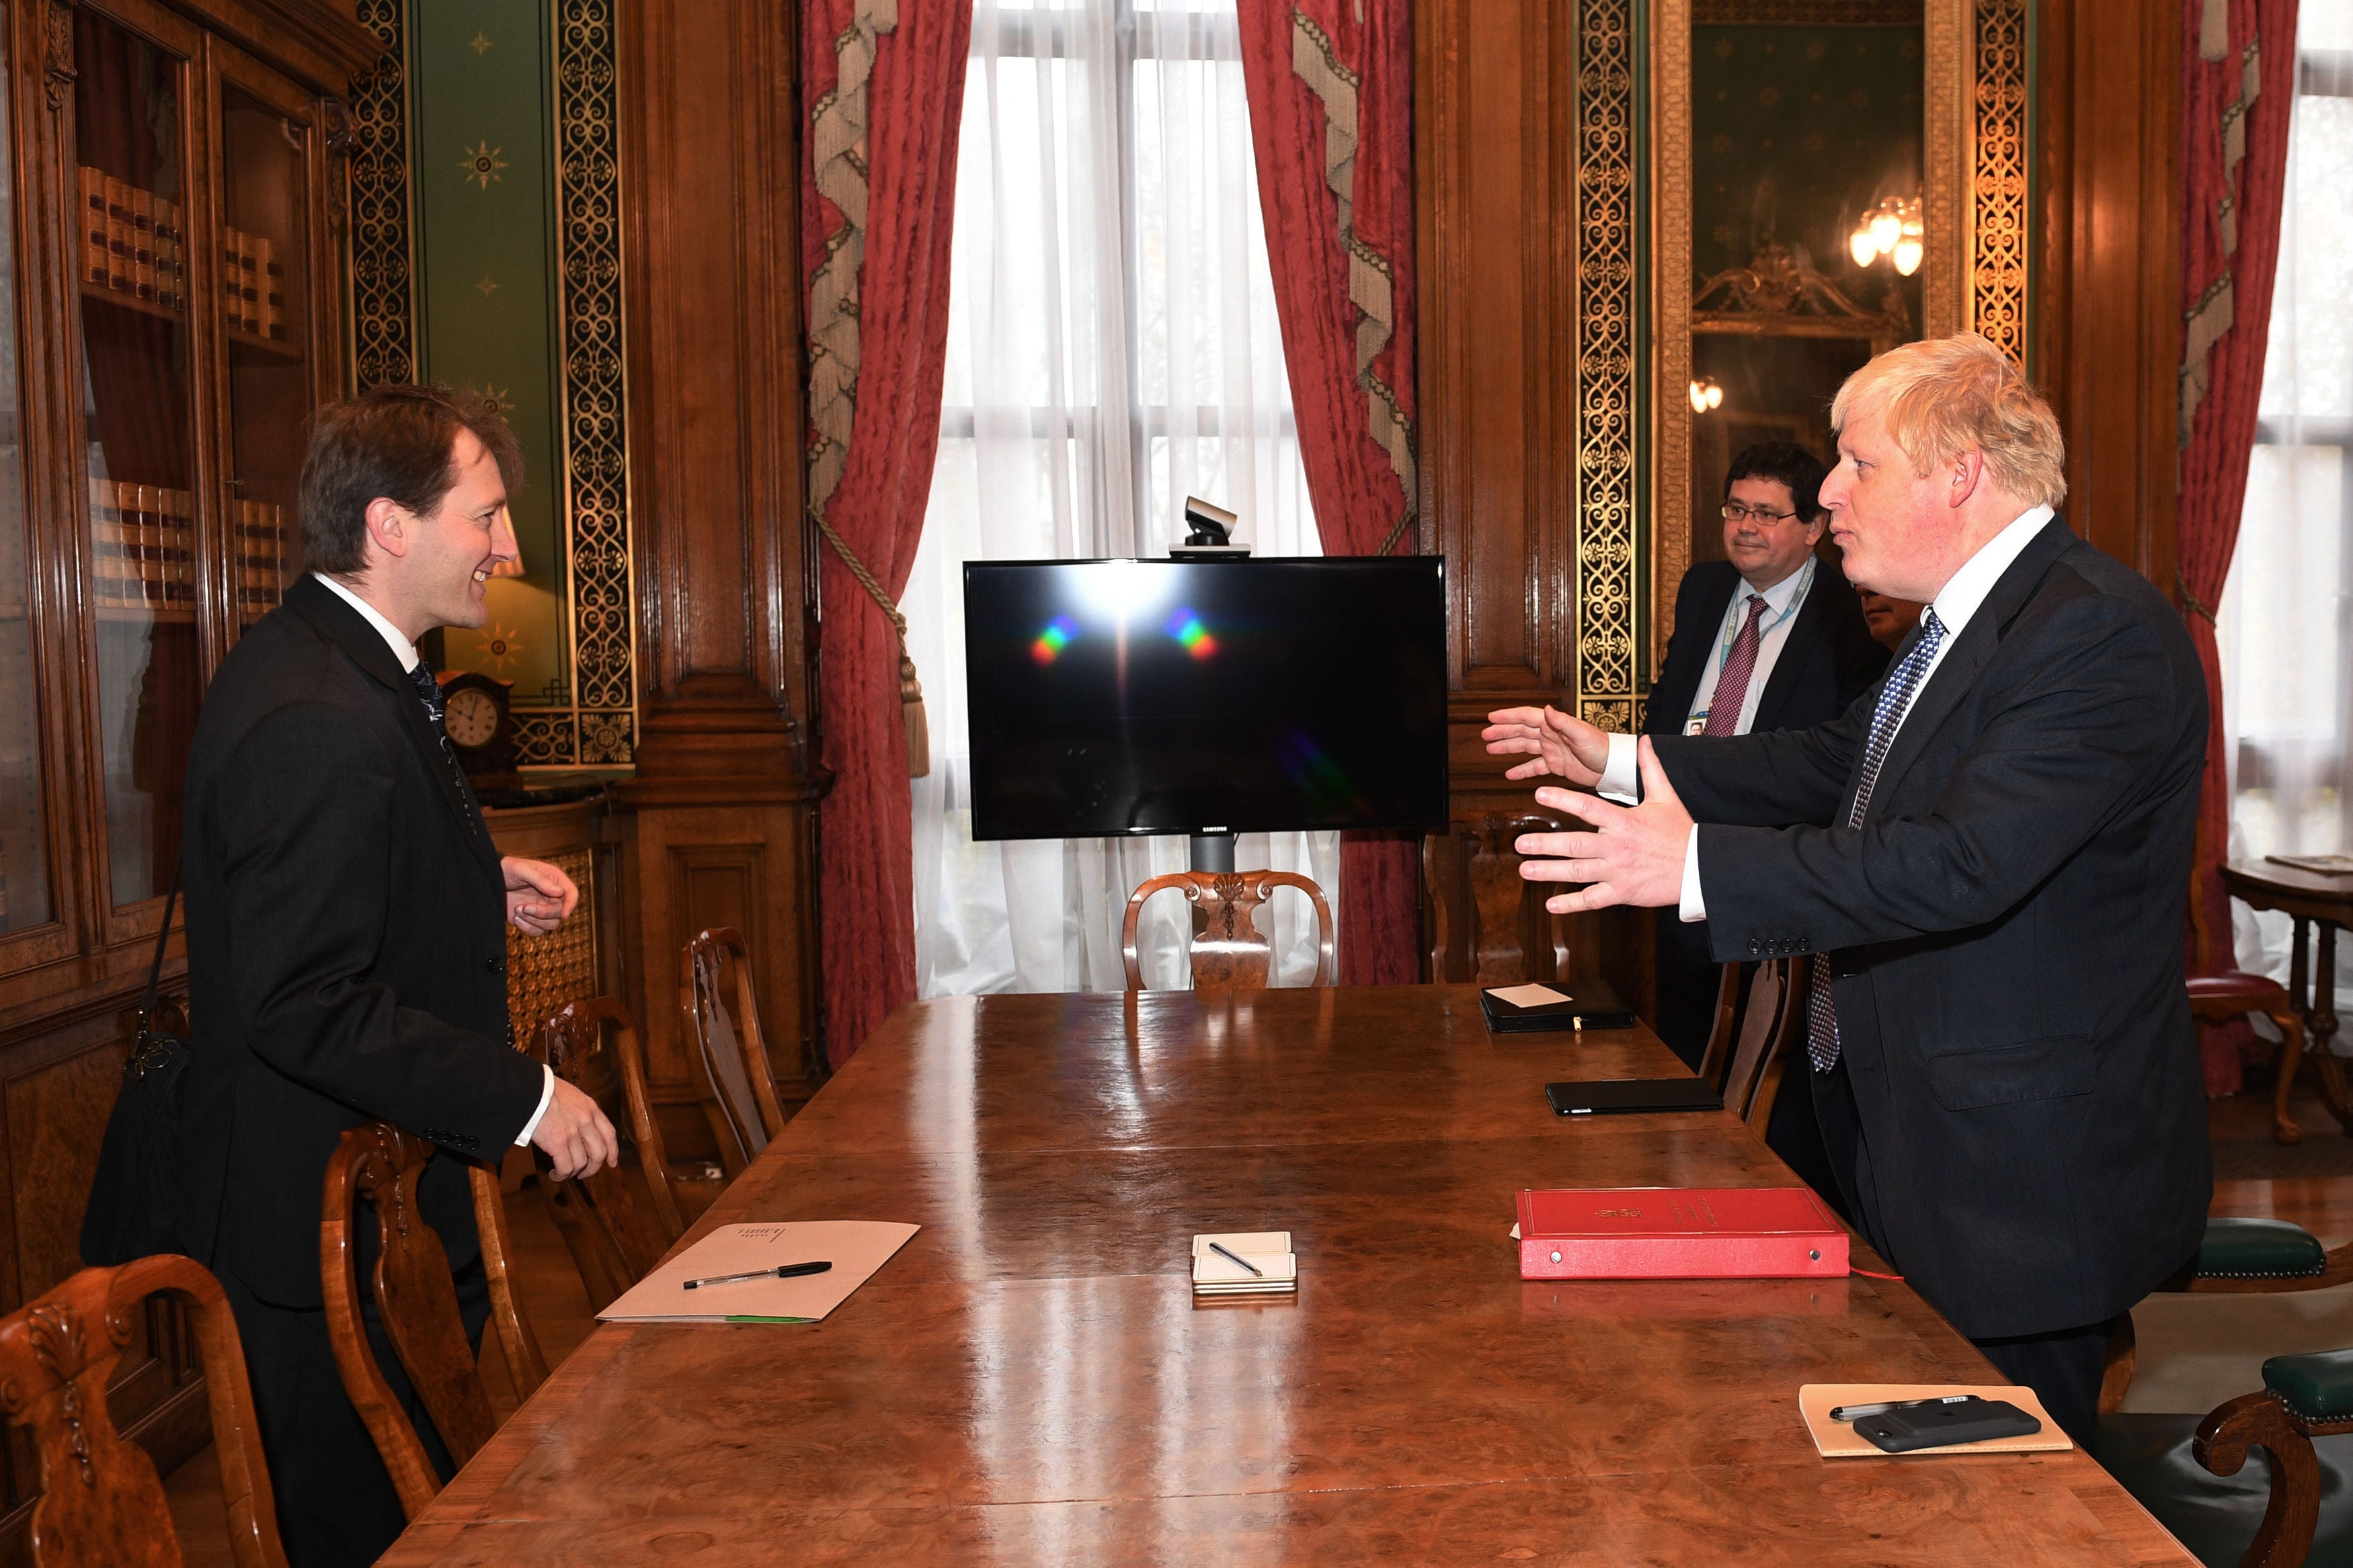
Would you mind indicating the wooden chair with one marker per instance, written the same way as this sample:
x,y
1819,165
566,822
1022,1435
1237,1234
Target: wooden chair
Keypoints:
x,y
2223,998
1748,1066
101,1504
1486,924
611,1241
417,1300
742,1107
525,1365
2303,1398
1229,954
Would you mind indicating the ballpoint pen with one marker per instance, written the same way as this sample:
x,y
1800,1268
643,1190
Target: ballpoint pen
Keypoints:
x,y
1238,1259
782,1271
1854,1412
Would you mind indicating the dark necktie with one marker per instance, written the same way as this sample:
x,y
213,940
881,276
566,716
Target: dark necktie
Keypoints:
x,y
1894,698
1732,686
429,692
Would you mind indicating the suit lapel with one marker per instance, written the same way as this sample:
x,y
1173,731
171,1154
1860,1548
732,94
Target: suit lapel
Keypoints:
x,y
364,647
1804,632
1957,674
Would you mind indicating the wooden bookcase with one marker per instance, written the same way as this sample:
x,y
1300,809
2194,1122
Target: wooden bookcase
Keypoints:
x,y
172,273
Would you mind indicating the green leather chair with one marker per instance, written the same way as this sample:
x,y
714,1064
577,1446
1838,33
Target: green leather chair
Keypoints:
x,y
2192,1472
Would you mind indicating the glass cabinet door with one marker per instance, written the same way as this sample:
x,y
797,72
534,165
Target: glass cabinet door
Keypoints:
x,y
136,268
265,317
23,841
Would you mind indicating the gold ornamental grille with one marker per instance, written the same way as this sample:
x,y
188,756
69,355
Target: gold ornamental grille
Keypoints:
x,y
544,973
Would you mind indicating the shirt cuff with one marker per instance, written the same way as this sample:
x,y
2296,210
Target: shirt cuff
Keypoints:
x,y
547,1088
1694,907
1621,779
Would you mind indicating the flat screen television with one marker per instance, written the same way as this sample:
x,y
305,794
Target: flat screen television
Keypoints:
x,y
1132,696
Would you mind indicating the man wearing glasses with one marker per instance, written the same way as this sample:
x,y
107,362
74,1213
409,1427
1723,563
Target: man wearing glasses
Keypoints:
x,y
1771,637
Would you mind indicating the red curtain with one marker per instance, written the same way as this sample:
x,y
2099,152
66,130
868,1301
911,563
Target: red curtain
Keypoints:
x,y
2238,82
1331,102
883,81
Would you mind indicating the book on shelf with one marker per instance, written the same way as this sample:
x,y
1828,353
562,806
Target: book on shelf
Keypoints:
x,y
232,296
108,561
97,266
171,265
117,235
260,529
142,243
248,283
270,278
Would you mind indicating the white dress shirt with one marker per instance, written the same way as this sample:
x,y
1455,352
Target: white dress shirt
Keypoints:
x,y
1955,604
406,652
1783,600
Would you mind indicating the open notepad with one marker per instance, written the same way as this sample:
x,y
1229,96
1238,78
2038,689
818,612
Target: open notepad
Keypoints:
x,y
856,1248
1266,1265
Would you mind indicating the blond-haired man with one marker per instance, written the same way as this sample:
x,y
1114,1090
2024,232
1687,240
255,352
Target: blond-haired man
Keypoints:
x,y
1988,851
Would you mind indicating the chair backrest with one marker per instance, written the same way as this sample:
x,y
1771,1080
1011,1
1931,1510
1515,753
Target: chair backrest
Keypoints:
x,y
101,1503
723,1018
525,1364
1486,924
610,1238
1718,1054
416,1299
1229,952
1770,1028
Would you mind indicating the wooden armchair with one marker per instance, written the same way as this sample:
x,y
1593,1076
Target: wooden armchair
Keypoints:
x,y
2160,1458
723,1019
1485,924
415,1299
101,1504
1231,953
611,1240
2222,998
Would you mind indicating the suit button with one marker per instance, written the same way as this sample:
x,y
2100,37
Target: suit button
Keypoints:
x,y
496,965
1754,947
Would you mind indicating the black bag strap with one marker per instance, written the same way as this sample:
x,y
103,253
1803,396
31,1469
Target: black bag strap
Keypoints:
x,y
155,969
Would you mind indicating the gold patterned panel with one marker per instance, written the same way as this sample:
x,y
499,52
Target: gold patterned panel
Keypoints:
x,y
1998,183
1671,311
1607,366
601,730
1947,43
544,973
384,308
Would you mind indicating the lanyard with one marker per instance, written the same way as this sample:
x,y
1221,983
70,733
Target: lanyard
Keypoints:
x,y
1731,632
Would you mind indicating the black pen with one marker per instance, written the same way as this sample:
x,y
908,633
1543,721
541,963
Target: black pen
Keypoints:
x,y
782,1271
1238,1259
1853,1412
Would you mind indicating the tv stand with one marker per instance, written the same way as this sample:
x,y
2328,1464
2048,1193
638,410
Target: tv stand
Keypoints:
x,y
1211,851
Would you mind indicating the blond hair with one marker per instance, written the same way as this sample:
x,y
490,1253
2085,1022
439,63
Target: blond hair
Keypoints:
x,y
1945,396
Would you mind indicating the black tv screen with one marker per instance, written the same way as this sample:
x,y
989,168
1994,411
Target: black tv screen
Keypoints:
x,y
1122,697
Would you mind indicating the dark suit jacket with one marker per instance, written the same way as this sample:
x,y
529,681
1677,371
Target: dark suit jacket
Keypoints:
x,y
347,955
1827,661
2005,934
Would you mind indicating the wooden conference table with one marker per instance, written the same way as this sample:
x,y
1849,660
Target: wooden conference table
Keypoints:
x,y
1029,1383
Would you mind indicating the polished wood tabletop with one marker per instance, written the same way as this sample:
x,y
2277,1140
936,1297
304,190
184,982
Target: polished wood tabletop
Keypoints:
x,y
1029,1382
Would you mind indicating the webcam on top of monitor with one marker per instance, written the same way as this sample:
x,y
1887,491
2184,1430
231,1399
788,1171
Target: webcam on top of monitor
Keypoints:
x,y
1209,536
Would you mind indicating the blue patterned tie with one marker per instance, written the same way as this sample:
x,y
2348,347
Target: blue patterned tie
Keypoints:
x,y
1894,698
429,692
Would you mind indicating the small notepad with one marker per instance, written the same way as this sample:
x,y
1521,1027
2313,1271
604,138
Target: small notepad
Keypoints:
x,y
1269,1251
1527,995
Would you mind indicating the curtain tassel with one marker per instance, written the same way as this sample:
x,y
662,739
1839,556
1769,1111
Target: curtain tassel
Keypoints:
x,y
911,709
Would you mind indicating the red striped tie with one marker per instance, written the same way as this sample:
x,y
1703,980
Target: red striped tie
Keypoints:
x,y
1732,686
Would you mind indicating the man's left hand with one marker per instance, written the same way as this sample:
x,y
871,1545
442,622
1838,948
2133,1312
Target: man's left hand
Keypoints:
x,y
1633,856
539,896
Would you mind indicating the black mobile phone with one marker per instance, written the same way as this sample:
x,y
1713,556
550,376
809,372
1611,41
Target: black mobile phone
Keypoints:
x,y
1942,1423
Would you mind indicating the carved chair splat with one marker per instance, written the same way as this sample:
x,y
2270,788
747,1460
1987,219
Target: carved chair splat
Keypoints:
x,y
1229,954
611,1240
101,1503
416,1299
1487,924
723,1018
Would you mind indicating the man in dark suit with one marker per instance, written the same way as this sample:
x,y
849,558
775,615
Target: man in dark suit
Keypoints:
x,y
1788,650
1989,856
346,958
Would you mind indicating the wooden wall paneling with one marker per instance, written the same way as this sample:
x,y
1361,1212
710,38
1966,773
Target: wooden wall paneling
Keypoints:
x,y
1491,140
710,173
2109,339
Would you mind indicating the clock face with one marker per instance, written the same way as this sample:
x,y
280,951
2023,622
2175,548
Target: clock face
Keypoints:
x,y
472,718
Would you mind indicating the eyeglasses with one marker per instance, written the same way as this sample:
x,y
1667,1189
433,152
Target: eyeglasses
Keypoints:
x,y
1734,512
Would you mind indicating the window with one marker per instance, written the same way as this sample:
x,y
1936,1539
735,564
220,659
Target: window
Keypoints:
x,y
2285,623
1112,347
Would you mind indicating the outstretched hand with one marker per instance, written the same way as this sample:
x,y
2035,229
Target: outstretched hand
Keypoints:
x,y
1565,747
1633,856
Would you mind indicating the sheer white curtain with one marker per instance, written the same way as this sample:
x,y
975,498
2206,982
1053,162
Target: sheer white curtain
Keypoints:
x,y
2286,623
1112,347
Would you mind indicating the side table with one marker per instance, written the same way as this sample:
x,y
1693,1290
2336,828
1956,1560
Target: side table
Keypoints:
x,y
2312,898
